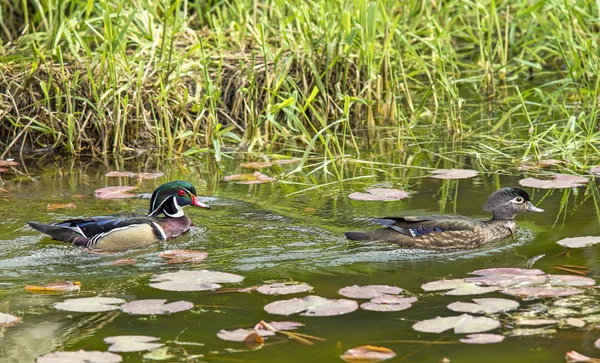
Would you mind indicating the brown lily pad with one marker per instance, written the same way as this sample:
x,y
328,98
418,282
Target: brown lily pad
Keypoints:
x,y
254,178
119,192
379,194
312,305
155,307
183,256
80,356
8,320
283,289
56,286
558,181
61,206
367,353
453,173
579,242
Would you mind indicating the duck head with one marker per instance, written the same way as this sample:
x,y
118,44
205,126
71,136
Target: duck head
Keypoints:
x,y
171,197
506,203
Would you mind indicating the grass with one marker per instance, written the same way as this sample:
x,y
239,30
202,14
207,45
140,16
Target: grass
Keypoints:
x,y
328,80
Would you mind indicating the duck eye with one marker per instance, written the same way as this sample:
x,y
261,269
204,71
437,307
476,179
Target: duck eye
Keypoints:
x,y
519,200
181,192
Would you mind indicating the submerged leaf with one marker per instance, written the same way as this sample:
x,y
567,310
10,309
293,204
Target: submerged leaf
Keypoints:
x,y
453,173
132,343
90,304
482,338
558,181
80,356
484,306
379,194
283,289
461,324
119,192
155,307
56,286
254,340
192,280
8,320
183,256
60,206
368,353
312,305
369,291
254,178
579,242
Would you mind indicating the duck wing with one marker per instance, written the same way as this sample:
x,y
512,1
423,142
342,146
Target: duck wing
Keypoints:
x,y
412,226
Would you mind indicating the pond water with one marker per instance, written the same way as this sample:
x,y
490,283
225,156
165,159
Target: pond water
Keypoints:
x,y
266,235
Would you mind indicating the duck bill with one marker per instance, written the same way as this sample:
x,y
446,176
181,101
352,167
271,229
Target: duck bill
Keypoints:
x,y
197,203
533,208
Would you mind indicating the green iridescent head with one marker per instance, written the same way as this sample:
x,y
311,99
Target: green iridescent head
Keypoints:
x,y
171,197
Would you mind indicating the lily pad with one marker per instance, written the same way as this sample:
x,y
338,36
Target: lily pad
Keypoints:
x,y
254,178
392,299
183,256
120,174
571,280
312,305
192,280
507,271
379,194
484,306
119,192
368,353
579,242
90,304
539,292
453,173
575,357
150,176
558,181
280,325
445,284
80,356
283,289
155,307
8,320
536,322
239,335
369,291
56,286
508,280
482,338
471,290
384,307
461,324
256,164
132,343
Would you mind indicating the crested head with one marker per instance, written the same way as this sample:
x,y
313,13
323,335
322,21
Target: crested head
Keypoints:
x,y
507,202
171,197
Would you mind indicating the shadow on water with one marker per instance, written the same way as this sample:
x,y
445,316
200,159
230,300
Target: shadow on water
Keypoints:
x,y
268,233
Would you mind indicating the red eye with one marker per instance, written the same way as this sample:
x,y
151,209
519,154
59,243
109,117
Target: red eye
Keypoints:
x,y
181,192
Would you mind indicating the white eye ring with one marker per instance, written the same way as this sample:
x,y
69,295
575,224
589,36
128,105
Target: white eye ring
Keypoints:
x,y
519,200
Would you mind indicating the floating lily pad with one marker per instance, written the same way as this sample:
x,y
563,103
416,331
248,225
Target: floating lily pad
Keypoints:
x,y
484,306
119,192
132,343
256,164
536,322
482,338
471,290
453,173
538,292
384,307
283,289
192,280
461,324
8,320
368,353
558,181
445,284
571,280
254,178
312,305
239,335
579,242
369,291
379,194
155,307
150,176
55,286
392,299
508,280
56,206
120,174
280,325
183,256
90,304
507,271
80,356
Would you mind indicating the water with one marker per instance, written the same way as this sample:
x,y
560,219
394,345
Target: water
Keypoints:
x,y
260,232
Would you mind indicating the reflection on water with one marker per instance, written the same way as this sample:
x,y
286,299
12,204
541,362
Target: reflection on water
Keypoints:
x,y
261,232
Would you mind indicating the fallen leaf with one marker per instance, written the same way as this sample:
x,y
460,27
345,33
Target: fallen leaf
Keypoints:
x,y
132,343
8,163
283,289
183,256
369,291
461,324
60,206
119,192
482,338
56,286
124,261
558,181
80,356
254,178
367,353
453,173
155,307
120,174
8,320
90,304
254,341
537,292
379,194
484,306
579,242
192,280
312,305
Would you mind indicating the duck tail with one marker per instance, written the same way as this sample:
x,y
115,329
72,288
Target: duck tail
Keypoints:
x,y
357,236
60,233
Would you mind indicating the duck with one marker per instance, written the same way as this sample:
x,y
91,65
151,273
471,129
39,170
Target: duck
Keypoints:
x,y
454,231
127,231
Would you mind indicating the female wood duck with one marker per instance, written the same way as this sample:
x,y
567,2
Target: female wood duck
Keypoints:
x,y
125,231
446,232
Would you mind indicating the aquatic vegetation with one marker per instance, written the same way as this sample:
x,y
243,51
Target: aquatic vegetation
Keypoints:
x,y
482,339
368,353
254,178
80,356
462,324
379,194
201,280
579,242
155,307
558,181
453,173
90,304
388,303
183,256
132,343
369,291
279,288
312,305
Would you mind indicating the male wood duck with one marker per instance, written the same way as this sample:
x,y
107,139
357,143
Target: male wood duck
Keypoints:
x,y
448,232
125,231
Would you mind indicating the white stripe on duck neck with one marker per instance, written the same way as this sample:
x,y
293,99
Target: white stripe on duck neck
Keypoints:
x,y
179,212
